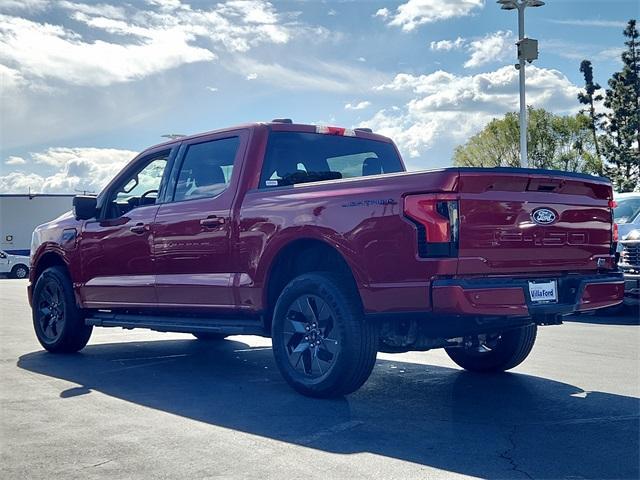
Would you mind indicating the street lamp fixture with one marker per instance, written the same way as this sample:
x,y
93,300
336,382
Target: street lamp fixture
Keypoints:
x,y
527,52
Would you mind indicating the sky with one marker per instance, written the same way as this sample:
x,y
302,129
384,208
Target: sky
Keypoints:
x,y
85,86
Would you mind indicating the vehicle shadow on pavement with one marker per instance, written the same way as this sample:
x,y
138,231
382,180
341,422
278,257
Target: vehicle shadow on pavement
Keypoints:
x,y
627,316
497,426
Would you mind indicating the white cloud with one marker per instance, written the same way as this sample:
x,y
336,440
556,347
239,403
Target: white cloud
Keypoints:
x,y
332,13
28,5
448,45
252,76
16,182
99,9
579,51
383,12
362,59
613,53
314,75
15,161
357,106
491,48
10,80
447,109
50,51
591,23
212,89
72,169
413,13
144,42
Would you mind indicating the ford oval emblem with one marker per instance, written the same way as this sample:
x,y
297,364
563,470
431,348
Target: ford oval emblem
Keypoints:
x,y
544,216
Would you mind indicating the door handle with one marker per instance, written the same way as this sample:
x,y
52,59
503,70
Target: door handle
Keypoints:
x,y
212,221
139,228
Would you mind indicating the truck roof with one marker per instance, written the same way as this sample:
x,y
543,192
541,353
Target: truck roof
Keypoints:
x,y
277,125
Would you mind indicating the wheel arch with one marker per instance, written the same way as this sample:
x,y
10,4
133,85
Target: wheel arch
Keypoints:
x,y
301,256
46,260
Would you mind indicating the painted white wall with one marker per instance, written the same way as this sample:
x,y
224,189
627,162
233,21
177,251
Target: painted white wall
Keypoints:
x,y
20,214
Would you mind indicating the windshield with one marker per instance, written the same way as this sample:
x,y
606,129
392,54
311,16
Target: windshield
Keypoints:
x,y
295,157
627,210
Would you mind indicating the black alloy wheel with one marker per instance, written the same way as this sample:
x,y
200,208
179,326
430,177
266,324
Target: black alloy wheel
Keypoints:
x,y
58,322
322,343
311,342
50,310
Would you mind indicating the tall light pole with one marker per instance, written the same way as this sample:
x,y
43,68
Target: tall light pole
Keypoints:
x,y
527,52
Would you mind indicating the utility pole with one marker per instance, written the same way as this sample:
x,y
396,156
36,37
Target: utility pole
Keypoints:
x,y
524,157
527,52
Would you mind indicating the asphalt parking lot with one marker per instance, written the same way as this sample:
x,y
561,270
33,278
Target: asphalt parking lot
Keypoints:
x,y
136,404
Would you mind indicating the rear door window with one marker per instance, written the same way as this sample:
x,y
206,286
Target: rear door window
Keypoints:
x,y
207,168
295,157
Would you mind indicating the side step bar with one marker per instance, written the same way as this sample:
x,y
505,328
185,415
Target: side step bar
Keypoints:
x,y
177,324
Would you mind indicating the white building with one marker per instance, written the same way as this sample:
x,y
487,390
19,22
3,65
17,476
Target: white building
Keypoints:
x,y
21,213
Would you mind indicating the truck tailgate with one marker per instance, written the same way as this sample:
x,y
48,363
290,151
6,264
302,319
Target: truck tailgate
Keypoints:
x,y
515,221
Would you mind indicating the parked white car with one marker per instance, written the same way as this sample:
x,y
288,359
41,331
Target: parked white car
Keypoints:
x,y
15,265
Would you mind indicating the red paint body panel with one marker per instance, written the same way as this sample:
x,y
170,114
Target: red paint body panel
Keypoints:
x,y
598,295
116,263
479,301
179,264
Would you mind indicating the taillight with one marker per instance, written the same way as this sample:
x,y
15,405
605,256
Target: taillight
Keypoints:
x,y
615,235
436,219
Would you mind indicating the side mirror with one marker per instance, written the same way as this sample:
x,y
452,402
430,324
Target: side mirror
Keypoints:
x,y
85,207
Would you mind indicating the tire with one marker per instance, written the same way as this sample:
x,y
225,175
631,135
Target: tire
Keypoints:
x,y
512,347
20,271
210,337
57,320
345,344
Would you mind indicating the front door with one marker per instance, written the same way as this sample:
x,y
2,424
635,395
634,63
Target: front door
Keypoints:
x,y
116,248
4,263
194,260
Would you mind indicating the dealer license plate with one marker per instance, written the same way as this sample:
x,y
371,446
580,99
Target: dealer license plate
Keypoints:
x,y
544,292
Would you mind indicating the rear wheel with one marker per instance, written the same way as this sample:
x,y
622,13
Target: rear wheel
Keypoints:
x,y
210,337
20,271
322,345
495,353
58,322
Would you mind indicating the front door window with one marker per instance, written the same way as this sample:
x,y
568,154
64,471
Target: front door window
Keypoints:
x,y
139,189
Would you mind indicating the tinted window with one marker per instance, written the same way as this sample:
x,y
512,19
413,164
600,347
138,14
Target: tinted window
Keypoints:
x,y
206,169
139,188
146,182
294,157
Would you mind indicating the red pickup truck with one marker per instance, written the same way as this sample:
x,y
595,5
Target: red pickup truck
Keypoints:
x,y
318,238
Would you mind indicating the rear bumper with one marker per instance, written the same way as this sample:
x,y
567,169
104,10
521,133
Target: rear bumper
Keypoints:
x,y
510,297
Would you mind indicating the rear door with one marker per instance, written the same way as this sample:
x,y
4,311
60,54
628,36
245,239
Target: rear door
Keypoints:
x,y
194,261
516,221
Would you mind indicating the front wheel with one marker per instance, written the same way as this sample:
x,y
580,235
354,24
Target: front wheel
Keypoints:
x,y
321,342
20,271
495,353
57,320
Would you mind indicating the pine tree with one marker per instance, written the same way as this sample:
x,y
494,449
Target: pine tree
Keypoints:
x,y
631,59
590,97
622,143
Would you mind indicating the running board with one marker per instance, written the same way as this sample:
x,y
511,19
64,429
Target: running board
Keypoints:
x,y
177,324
